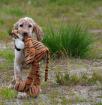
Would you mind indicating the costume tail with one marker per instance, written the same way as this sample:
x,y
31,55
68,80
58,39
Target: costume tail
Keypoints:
x,y
47,63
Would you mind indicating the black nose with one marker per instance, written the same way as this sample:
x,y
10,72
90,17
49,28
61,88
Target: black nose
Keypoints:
x,y
25,33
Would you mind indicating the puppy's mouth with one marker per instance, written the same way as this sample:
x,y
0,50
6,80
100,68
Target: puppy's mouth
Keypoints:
x,y
16,34
25,34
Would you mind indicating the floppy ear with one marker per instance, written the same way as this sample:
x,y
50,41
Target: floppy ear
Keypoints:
x,y
38,31
14,31
15,26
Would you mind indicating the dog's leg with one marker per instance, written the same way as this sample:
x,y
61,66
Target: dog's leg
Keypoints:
x,y
18,65
17,68
17,71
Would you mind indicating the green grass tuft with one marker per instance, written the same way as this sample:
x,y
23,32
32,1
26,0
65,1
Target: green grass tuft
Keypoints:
x,y
6,93
72,40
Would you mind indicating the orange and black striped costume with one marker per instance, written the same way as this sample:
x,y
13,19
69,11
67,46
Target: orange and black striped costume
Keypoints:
x,y
34,52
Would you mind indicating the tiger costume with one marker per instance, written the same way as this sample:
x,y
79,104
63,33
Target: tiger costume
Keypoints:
x,y
34,51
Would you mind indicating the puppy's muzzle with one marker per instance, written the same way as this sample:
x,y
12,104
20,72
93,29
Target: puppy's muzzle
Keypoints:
x,y
25,33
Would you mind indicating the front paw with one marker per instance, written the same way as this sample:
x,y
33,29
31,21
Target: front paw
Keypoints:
x,y
22,95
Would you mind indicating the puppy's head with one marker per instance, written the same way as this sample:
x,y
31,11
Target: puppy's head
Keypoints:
x,y
26,26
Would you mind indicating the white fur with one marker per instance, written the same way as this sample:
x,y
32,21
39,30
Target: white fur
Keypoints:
x,y
19,43
19,58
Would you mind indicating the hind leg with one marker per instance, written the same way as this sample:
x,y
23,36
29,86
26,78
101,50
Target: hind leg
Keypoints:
x,y
17,75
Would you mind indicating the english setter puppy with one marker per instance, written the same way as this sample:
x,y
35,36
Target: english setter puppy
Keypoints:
x,y
24,26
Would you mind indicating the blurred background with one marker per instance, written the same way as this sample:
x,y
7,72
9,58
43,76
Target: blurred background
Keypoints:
x,y
73,30
55,12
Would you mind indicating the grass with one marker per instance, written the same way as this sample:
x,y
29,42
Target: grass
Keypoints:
x,y
85,12
6,93
57,96
7,55
66,79
56,11
53,41
72,40
98,104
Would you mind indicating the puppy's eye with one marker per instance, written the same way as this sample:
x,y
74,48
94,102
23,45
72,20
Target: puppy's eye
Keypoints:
x,y
30,26
21,25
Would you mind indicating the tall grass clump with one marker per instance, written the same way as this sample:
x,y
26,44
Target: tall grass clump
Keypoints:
x,y
53,40
72,40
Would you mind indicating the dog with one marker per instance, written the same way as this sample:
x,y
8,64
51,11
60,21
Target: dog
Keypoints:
x,y
25,26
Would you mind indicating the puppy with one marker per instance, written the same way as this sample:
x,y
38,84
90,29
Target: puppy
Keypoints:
x,y
25,26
